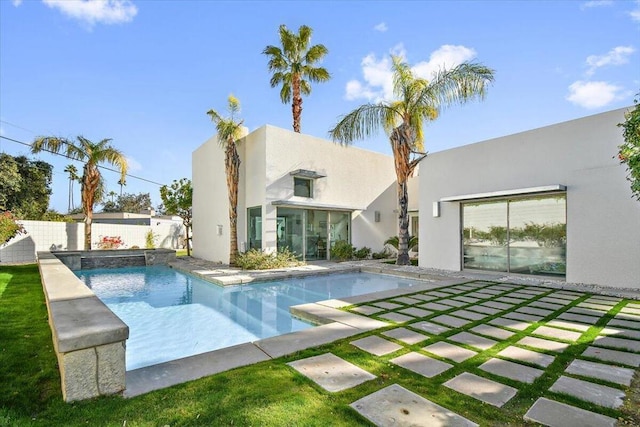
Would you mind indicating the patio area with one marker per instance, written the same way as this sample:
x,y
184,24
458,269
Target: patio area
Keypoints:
x,y
560,354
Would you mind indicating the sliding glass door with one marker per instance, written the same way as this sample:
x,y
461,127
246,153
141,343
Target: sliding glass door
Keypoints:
x,y
310,233
526,235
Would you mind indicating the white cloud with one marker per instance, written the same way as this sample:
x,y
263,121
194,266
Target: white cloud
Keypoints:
x,y
596,3
593,94
16,3
378,77
133,164
382,27
91,12
617,56
635,13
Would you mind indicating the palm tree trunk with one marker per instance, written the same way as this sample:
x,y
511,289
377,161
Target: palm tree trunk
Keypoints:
x,y
232,166
90,181
400,139
70,195
296,106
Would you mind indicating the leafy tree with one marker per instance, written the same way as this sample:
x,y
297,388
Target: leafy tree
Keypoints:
x,y
418,100
229,131
177,199
9,227
73,177
25,186
293,67
134,203
629,152
92,154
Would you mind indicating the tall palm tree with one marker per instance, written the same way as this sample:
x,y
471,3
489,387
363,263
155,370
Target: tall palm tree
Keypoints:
x,y
92,154
122,182
293,67
229,131
418,100
73,176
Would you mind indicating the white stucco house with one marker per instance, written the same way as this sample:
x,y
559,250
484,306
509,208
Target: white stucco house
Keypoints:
x,y
551,201
295,191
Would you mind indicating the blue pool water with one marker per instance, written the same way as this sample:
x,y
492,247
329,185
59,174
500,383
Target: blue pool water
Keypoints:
x,y
173,315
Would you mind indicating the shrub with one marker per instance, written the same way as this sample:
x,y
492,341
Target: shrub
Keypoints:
x,y
110,242
383,254
150,239
342,251
255,259
9,228
362,253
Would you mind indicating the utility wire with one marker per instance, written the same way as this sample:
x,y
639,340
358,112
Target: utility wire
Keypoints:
x,y
70,158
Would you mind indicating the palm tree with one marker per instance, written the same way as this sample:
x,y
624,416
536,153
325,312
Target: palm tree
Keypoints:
x,y
92,154
73,176
112,194
418,100
229,131
293,67
122,182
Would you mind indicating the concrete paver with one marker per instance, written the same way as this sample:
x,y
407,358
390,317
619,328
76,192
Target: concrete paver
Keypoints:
x,y
524,355
601,371
624,323
421,364
407,300
535,311
616,356
602,395
470,315
492,331
589,320
453,302
435,306
498,305
522,316
565,324
546,305
473,340
484,309
467,299
452,321
621,332
397,406
510,323
543,344
560,334
424,297
511,370
331,372
429,327
510,300
367,310
483,389
450,351
387,305
416,312
555,414
376,345
396,317
405,335
618,343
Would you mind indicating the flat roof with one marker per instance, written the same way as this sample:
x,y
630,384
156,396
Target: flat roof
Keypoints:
x,y
503,193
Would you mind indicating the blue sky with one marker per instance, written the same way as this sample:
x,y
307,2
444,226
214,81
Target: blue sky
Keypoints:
x,y
144,73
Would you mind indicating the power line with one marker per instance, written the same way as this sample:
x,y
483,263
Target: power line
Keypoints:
x,y
71,158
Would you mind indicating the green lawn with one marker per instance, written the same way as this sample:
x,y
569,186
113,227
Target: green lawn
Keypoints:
x,y
265,394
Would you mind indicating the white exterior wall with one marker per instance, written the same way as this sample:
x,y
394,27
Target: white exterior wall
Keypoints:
x,y
69,236
210,203
603,220
355,178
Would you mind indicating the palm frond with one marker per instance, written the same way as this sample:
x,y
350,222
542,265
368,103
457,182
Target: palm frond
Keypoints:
x,y
361,123
315,53
459,84
316,74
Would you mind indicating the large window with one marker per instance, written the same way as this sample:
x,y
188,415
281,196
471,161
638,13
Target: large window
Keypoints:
x,y
254,227
526,235
310,233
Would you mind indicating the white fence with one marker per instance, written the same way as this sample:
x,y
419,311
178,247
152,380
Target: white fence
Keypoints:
x,y
69,236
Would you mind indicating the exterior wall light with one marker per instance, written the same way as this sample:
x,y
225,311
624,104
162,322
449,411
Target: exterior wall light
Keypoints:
x,y
436,209
219,229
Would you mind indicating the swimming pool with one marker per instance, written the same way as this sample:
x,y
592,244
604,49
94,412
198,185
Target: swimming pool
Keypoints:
x,y
173,315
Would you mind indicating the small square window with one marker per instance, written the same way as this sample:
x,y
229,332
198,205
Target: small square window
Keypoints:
x,y
302,187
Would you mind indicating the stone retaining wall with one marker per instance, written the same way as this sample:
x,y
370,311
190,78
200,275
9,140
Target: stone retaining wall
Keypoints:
x,y
89,340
